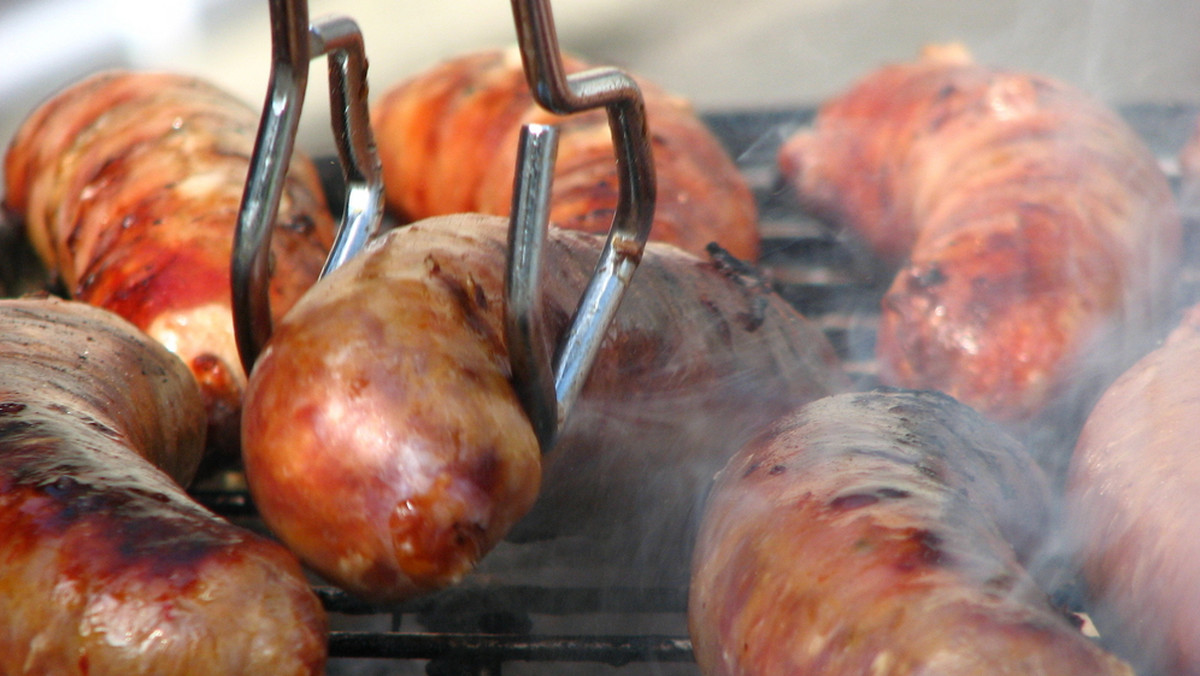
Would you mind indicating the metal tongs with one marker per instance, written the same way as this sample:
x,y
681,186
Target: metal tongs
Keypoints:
x,y
294,43
548,387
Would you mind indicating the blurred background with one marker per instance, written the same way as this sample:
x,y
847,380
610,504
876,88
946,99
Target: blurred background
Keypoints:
x,y
722,54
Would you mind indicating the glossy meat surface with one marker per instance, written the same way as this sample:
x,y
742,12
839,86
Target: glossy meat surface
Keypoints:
x,y
108,566
880,533
1035,234
385,443
129,184
1134,497
448,142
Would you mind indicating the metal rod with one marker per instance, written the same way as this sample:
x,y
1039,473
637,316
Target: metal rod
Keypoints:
x,y
249,274
294,43
532,365
341,40
564,94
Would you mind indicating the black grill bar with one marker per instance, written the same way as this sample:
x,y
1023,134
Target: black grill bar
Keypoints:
x,y
485,648
515,598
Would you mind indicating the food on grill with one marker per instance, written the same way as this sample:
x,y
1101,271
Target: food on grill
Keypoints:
x,y
384,442
129,184
448,142
1034,230
1134,499
886,532
108,567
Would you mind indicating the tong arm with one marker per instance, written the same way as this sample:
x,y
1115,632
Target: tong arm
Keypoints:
x,y
294,43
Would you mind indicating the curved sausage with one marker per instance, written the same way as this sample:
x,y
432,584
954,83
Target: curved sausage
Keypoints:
x,y
108,567
1035,232
885,532
129,184
385,444
448,143
1133,501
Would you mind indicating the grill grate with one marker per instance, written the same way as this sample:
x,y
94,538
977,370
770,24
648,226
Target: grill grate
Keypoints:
x,y
506,617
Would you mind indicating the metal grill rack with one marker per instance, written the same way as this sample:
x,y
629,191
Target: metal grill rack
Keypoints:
x,y
520,613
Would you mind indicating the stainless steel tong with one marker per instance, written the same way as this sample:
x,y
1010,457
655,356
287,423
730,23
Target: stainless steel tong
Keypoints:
x,y
294,43
549,384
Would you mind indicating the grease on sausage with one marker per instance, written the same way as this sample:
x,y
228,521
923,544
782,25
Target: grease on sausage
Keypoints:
x,y
385,444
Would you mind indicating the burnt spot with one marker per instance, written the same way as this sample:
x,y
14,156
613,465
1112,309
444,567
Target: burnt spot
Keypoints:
x,y
735,269
466,297
12,428
920,279
853,501
922,548
866,499
776,470
930,472
755,316
1000,586
11,407
946,91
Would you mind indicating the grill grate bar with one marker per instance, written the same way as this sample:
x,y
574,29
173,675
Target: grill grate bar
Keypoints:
x,y
487,648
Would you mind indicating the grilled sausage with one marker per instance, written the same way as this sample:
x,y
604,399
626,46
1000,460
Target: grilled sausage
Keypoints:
x,y
129,184
385,444
108,567
1132,498
448,143
884,532
1035,229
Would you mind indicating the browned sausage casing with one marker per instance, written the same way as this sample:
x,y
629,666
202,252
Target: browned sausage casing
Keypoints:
x,y
129,184
448,142
1134,498
1036,228
384,442
880,533
107,566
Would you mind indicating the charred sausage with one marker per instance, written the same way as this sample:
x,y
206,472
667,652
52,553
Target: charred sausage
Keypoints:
x,y
448,143
883,532
129,184
385,444
1033,229
1133,505
107,566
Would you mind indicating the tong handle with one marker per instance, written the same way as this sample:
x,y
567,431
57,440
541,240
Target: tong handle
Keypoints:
x,y
549,386
294,43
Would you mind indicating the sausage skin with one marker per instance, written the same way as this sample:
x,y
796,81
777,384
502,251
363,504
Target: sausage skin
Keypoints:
x,y
448,142
108,567
1032,227
885,532
384,443
129,184
1132,498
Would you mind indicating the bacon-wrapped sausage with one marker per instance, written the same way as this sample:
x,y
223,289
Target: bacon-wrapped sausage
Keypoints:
x,y
129,184
1036,231
448,142
385,444
880,533
107,566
